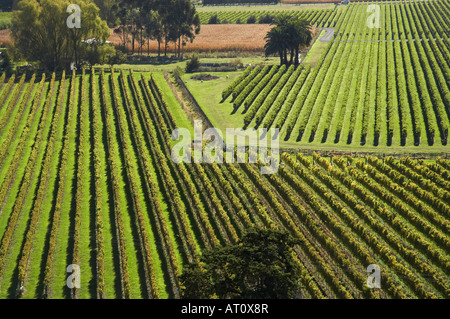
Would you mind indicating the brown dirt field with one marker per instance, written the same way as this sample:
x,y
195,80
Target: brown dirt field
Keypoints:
x,y
4,37
219,37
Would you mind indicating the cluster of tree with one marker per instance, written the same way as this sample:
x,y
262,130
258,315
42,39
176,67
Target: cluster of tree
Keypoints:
x,y
260,266
40,32
289,35
217,2
166,21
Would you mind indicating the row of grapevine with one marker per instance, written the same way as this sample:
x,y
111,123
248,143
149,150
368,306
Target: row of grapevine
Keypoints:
x,y
13,100
80,176
441,178
161,225
187,184
250,86
24,188
114,177
6,90
291,98
15,125
329,274
162,163
142,229
226,93
409,255
258,102
34,215
354,224
257,90
317,17
242,85
61,183
270,99
281,98
441,193
421,194
36,210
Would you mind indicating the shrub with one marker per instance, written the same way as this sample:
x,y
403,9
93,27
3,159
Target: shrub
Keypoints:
x,y
266,19
214,20
178,71
193,64
251,19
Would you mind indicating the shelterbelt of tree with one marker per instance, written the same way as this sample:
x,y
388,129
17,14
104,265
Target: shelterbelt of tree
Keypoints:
x,y
86,179
382,80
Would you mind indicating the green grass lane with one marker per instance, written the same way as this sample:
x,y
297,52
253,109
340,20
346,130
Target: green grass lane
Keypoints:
x,y
316,51
179,114
209,95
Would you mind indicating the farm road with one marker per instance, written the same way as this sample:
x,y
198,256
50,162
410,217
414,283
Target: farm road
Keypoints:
x,y
327,37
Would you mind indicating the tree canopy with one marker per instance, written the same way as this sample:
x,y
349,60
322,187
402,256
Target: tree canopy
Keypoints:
x,y
287,36
162,20
40,31
261,265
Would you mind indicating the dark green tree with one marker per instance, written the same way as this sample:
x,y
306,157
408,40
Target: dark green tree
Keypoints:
x,y
40,32
261,265
193,64
288,36
5,62
276,44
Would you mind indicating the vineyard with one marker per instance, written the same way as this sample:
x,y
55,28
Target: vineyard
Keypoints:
x,y
387,86
86,178
321,18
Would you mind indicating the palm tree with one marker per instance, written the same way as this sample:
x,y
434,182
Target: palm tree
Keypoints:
x,y
276,43
288,34
303,36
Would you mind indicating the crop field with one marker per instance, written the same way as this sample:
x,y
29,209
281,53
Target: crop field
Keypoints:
x,y
387,86
318,17
216,38
86,178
